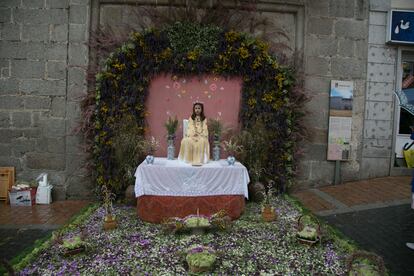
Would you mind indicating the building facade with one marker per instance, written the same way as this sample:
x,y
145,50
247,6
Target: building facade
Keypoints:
x,y
44,56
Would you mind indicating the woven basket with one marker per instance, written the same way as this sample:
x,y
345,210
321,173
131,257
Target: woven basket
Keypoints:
x,y
305,241
374,259
70,252
198,269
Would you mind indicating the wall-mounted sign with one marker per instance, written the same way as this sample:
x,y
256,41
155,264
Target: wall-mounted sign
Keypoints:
x,y
340,120
401,27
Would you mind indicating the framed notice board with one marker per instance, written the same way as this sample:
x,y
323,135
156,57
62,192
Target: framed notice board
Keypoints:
x,y
340,120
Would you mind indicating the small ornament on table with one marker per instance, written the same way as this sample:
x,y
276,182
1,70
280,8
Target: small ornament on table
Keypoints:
x,y
232,148
150,146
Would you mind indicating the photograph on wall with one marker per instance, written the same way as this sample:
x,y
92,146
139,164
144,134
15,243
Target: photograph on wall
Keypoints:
x,y
340,104
340,120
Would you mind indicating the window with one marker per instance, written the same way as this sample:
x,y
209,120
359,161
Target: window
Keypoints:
x,y
406,119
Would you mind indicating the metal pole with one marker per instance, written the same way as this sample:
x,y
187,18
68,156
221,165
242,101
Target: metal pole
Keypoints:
x,y
337,176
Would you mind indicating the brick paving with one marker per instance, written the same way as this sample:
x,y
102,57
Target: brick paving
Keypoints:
x,y
21,226
57,213
352,196
314,202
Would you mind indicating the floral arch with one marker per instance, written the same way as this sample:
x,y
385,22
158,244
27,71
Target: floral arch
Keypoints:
x,y
186,49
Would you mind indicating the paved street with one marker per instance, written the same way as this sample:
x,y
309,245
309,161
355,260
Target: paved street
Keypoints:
x,y
383,231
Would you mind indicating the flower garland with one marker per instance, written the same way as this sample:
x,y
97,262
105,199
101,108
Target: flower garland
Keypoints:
x,y
122,88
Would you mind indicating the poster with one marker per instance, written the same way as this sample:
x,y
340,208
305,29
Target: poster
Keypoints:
x,y
340,120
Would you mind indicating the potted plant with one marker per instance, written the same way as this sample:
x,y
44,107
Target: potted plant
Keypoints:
x,y
150,146
171,125
200,258
109,218
232,148
215,128
309,230
268,211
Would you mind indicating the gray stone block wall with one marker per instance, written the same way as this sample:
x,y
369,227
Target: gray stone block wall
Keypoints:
x,y
336,48
379,105
43,60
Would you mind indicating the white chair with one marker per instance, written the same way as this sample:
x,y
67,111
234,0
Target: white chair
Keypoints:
x,y
185,126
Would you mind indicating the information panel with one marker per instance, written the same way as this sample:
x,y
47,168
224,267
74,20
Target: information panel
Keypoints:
x,y
340,120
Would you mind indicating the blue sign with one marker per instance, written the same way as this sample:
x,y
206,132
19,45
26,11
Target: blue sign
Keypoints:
x,y
401,26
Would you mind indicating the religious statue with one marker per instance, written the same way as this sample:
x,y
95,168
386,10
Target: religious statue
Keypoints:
x,y
195,148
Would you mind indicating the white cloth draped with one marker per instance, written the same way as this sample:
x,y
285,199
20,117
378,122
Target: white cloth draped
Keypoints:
x,y
177,178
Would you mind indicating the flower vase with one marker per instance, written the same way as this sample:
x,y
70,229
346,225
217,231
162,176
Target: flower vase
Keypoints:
x,y
216,151
170,149
149,159
231,160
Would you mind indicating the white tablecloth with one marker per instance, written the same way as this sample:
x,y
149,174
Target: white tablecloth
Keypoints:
x,y
176,178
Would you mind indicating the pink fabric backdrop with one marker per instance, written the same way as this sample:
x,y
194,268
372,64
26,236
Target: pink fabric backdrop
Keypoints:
x,y
172,96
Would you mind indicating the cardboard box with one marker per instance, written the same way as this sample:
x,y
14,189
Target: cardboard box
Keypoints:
x,y
23,197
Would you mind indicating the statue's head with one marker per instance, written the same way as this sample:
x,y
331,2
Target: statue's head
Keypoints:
x,y
198,110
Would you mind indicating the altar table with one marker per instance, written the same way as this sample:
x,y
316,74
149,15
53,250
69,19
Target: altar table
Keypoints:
x,y
172,188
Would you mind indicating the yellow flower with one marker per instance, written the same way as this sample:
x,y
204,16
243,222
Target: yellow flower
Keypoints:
x,y
257,62
280,78
119,67
104,109
244,53
268,97
252,102
166,54
232,36
193,55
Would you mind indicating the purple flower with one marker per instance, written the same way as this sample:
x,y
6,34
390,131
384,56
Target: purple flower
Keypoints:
x,y
144,243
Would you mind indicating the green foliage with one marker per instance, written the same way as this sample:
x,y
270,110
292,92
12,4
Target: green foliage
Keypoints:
x,y
107,198
215,128
73,243
203,259
255,141
186,37
171,125
128,151
308,233
197,221
232,147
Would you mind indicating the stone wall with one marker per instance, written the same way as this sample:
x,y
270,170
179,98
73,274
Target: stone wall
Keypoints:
x,y
379,106
335,49
43,61
43,58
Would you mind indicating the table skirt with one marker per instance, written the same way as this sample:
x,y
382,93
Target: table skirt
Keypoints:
x,y
155,209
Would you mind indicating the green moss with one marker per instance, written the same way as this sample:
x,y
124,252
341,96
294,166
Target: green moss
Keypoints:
x,y
194,222
308,233
202,259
